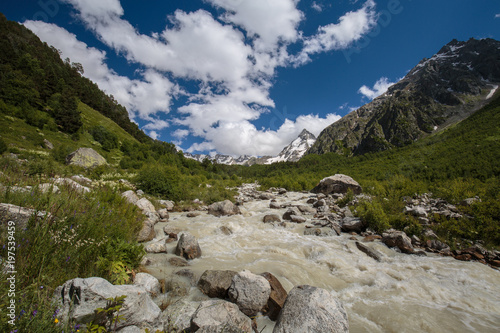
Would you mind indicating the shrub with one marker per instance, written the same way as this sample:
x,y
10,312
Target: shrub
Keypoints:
x,y
107,139
373,214
161,180
3,146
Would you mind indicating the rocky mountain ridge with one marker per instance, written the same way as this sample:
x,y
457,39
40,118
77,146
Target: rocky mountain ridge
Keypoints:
x,y
291,153
439,91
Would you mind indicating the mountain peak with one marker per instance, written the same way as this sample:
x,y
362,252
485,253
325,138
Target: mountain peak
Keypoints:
x,y
438,91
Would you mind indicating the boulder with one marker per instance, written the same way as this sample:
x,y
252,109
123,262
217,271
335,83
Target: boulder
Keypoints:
x,y
297,219
19,215
311,309
223,208
266,196
350,224
220,313
48,144
291,211
82,179
163,212
149,282
78,298
225,328
159,246
86,158
168,204
188,247
274,205
399,239
216,283
319,203
270,218
71,183
337,184
177,316
250,292
276,298
145,205
306,209
178,262
147,232
368,251
47,187
130,196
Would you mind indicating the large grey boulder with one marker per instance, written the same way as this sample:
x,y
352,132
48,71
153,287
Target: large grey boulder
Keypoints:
x,y
72,184
130,196
147,232
290,212
223,208
225,328
19,215
168,204
78,298
145,205
313,310
338,183
149,282
220,313
250,292
270,218
216,283
177,316
188,247
159,246
85,157
399,239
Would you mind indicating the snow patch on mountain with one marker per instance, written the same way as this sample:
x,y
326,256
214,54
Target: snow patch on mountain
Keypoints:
x,y
291,153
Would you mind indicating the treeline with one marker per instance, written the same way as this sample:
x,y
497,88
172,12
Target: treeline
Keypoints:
x,y
38,86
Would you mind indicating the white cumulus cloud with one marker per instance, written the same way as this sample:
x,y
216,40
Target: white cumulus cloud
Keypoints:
x,y
232,59
336,36
378,88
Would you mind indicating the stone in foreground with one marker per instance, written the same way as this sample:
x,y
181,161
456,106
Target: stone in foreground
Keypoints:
x,y
313,310
216,283
220,313
250,292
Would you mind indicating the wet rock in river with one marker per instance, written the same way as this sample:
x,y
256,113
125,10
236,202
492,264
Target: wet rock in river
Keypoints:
x,y
399,239
223,208
250,292
368,251
215,283
350,224
188,247
270,218
291,211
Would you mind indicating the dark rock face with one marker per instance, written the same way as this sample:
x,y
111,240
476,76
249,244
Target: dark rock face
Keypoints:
x,y
337,184
216,283
270,218
431,94
311,309
188,247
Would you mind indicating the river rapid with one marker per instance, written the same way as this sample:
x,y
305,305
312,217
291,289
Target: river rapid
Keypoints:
x,y
402,293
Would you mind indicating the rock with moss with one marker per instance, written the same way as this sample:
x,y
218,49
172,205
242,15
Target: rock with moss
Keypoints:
x,y
86,158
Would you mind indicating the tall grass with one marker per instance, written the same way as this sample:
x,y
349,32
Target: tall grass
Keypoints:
x,y
78,235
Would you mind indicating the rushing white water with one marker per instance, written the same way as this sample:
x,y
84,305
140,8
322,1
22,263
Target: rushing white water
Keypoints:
x,y
402,293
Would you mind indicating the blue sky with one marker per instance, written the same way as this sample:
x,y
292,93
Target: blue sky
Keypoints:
x,y
246,76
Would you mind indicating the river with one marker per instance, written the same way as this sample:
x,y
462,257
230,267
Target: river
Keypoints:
x,y
402,293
